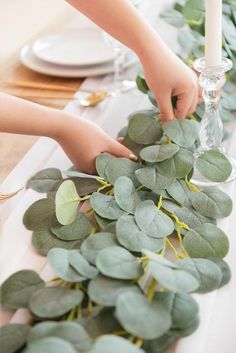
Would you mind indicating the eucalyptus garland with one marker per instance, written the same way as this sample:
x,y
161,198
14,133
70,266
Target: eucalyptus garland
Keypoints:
x,y
128,247
189,17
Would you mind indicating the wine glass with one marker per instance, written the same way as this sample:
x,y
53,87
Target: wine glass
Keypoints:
x,y
120,53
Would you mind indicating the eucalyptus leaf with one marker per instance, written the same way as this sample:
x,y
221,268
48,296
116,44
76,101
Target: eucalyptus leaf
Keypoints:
x,y
183,132
59,261
39,214
81,265
47,180
126,195
225,270
115,344
144,128
192,218
158,153
92,245
183,308
173,279
106,206
50,345
44,240
142,318
85,186
100,323
173,17
194,10
212,202
101,163
206,272
141,83
214,166
78,229
152,221
118,167
117,262
18,288
180,193
19,332
69,331
133,238
160,344
53,302
67,201
152,179
206,241
105,291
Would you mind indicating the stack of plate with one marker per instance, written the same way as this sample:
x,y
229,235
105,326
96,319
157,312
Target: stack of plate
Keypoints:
x,y
73,53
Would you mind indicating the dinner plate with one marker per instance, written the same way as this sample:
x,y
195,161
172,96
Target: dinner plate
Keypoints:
x,y
32,62
82,46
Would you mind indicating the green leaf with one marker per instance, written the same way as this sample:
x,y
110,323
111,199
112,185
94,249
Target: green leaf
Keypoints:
x,y
152,221
152,179
69,331
39,214
160,344
53,302
101,323
158,153
206,241
67,201
214,166
50,345
191,217
133,238
190,328
18,288
78,229
85,186
142,318
206,272
81,265
118,167
101,163
142,84
59,261
114,344
47,180
173,279
183,132
117,262
180,192
173,17
44,240
126,195
183,308
105,291
106,206
13,337
212,202
92,245
225,270
194,10
144,127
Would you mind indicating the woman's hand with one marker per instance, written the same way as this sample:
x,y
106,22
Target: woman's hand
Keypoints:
x,y
168,76
83,141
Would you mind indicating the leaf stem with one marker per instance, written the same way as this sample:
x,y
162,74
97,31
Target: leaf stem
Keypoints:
x,y
159,205
139,342
181,242
190,185
173,249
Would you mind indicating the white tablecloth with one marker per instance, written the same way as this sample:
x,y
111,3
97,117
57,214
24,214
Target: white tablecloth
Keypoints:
x,y
217,309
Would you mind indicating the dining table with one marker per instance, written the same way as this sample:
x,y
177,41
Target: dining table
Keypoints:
x,y
217,309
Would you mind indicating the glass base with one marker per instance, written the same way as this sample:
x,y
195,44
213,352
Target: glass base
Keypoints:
x,y
199,180
124,86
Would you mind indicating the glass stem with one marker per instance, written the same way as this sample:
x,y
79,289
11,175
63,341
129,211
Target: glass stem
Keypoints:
x,y
119,66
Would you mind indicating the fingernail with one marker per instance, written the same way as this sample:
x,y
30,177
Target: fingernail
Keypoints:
x,y
133,157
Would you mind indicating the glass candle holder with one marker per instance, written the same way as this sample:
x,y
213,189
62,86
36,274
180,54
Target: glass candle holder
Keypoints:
x,y
212,79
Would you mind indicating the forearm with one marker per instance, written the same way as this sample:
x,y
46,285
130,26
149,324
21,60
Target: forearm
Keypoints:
x,y
122,21
22,117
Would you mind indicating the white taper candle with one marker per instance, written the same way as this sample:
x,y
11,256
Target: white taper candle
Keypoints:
x,y
213,30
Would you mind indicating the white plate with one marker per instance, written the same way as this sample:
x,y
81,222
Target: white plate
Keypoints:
x,y
32,62
83,46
